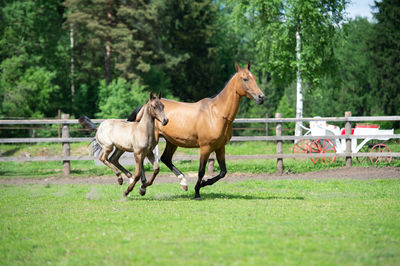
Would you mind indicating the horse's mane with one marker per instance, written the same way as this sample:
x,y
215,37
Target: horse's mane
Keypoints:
x,y
226,84
132,116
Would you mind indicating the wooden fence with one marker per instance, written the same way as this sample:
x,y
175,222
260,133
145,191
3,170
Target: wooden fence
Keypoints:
x,y
65,139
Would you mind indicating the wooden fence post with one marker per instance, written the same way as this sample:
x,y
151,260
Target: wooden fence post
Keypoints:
x,y
66,147
266,127
279,161
348,140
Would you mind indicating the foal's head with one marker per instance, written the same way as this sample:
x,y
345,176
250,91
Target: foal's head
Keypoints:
x,y
248,84
157,108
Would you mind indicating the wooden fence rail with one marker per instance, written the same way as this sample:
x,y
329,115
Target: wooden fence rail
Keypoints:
x,y
65,122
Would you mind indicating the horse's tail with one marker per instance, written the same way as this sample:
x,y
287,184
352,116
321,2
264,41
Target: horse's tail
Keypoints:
x,y
87,123
133,115
91,127
95,148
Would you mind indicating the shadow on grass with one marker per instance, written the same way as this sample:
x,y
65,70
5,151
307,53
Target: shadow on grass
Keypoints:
x,y
212,196
10,152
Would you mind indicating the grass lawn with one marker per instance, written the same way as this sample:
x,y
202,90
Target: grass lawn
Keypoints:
x,y
281,222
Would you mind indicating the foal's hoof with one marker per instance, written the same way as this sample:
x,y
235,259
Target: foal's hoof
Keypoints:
x,y
120,181
184,187
142,191
125,194
197,198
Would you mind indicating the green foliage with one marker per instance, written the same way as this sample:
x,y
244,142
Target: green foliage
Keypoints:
x,y
120,98
31,58
187,49
286,111
351,88
385,47
25,92
191,56
274,25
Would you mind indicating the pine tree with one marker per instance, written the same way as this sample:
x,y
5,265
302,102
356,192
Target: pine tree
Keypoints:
x,y
190,55
385,47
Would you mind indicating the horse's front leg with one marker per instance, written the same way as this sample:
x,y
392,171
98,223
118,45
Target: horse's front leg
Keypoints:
x,y
156,170
138,173
221,161
204,155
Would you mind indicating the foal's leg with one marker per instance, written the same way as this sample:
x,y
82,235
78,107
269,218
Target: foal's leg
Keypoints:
x,y
166,158
138,173
221,161
114,159
142,189
104,159
156,169
204,155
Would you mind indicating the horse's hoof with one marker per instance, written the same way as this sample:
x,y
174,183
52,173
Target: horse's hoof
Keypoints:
x,y
184,187
125,194
197,198
142,191
120,181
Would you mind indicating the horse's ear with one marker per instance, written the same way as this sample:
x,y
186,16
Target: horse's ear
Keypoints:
x,y
151,95
237,67
159,95
248,66
140,114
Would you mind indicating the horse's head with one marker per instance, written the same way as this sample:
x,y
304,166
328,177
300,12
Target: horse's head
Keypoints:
x,y
248,84
157,108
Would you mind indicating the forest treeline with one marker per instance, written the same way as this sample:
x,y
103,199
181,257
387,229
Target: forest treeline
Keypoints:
x,y
101,58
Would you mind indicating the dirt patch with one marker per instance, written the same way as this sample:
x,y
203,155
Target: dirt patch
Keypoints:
x,y
359,173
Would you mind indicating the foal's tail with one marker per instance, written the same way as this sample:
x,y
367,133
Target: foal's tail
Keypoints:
x,y
87,123
96,148
91,127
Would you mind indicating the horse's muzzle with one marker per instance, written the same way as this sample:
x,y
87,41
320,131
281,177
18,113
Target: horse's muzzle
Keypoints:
x,y
260,99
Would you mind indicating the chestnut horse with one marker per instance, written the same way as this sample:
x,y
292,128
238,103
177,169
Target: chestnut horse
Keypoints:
x,y
206,124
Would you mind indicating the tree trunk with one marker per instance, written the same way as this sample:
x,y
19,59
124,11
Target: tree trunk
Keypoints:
x,y
299,90
107,64
71,39
107,59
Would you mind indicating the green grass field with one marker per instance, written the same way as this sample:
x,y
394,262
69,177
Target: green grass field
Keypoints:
x,y
282,222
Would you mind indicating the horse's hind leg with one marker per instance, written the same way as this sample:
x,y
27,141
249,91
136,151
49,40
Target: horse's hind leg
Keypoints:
x,y
114,159
104,159
221,161
166,158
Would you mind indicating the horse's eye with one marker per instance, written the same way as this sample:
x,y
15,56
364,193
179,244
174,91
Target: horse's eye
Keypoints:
x,y
245,79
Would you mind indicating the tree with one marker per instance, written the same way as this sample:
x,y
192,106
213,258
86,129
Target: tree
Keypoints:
x,y
112,39
351,86
385,47
31,58
25,92
190,53
119,98
293,37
